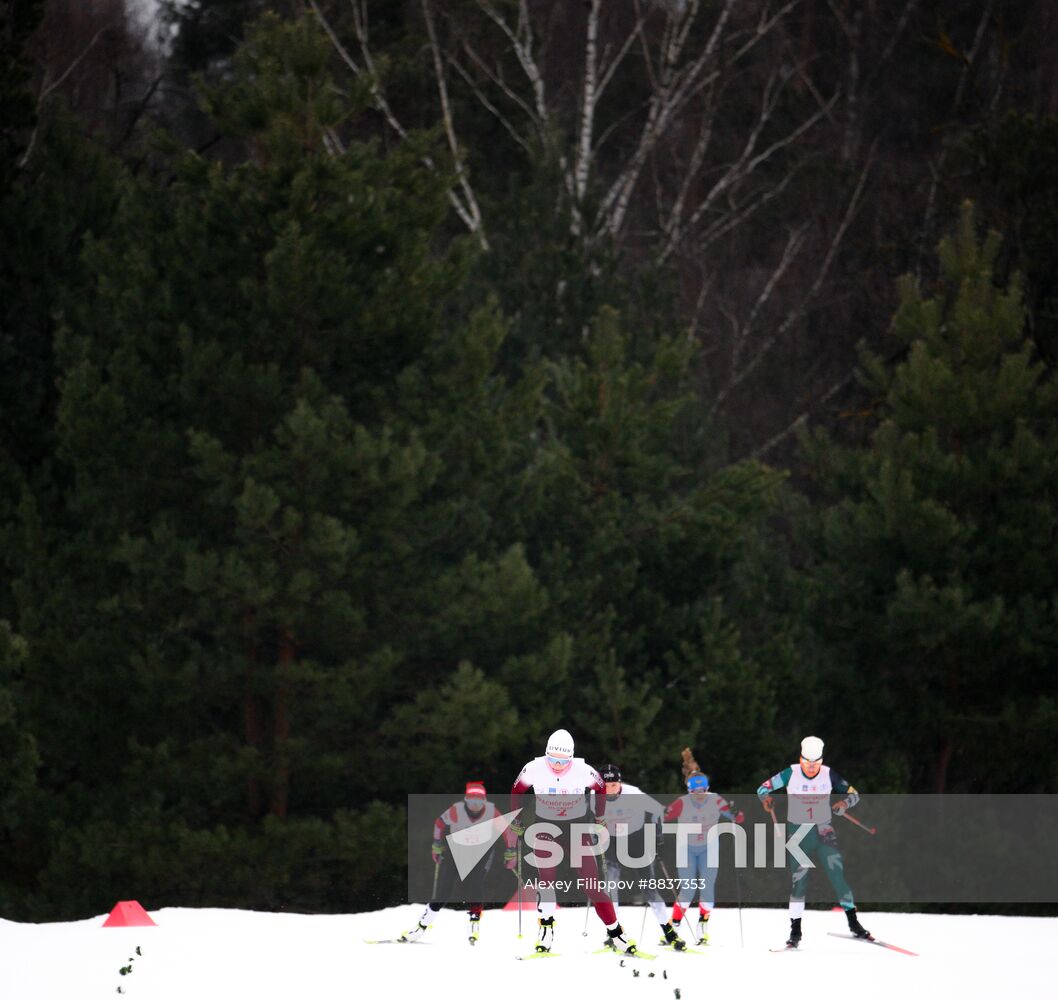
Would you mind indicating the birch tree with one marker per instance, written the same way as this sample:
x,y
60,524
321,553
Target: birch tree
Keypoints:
x,y
676,127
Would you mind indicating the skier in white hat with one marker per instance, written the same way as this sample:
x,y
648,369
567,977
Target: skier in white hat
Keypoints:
x,y
809,784
561,784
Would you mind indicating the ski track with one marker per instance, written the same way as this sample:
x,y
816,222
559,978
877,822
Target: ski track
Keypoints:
x,y
201,954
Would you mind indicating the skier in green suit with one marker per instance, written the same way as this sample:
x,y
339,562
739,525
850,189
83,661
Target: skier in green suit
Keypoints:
x,y
809,785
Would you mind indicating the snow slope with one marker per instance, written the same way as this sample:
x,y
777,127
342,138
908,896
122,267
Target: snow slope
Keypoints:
x,y
206,954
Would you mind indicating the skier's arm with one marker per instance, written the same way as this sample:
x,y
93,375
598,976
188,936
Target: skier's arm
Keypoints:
x,y
519,790
598,786
510,841
773,784
440,829
673,812
654,809
839,786
655,815
728,811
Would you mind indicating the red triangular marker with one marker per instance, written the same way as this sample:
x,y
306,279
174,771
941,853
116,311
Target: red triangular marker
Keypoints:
x,y
129,913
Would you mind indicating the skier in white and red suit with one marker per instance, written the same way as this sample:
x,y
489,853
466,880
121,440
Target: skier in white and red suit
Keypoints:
x,y
473,810
561,784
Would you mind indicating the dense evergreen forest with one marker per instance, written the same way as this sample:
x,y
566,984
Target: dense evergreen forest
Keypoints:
x,y
384,385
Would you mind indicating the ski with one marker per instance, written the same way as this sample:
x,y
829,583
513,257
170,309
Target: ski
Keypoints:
x,y
537,954
871,940
625,954
393,941
787,948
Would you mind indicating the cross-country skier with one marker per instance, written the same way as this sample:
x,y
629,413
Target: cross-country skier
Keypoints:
x,y
704,809
561,784
473,810
809,785
629,812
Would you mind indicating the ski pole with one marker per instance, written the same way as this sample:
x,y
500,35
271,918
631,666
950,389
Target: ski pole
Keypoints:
x,y
518,875
676,899
770,810
862,826
738,896
604,873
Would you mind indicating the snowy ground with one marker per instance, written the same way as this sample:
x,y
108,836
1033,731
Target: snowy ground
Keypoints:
x,y
206,954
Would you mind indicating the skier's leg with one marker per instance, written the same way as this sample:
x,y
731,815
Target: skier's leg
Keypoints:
x,y
799,887
685,887
475,891
659,910
834,865
546,901
610,871
588,870
652,897
445,880
707,872
706,881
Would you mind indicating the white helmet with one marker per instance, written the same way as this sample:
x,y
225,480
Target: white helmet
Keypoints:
x,y
812,748
560,744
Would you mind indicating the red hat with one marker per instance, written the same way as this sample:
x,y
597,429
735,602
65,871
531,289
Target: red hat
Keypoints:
x,y
475,788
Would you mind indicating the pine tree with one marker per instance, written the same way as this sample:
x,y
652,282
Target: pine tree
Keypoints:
x,y
18,782
938,558
641,541
285,436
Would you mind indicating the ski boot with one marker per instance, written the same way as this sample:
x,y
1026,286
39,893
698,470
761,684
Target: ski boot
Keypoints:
x,y
857,929
795,933
615,939
475,924
546,937
703,928
415,933
672,938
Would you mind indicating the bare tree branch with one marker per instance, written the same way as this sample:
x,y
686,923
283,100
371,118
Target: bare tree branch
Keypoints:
x,y
802,418
47,89
797,314
742,331
470,201
675,88
483,98
468,212
587,110
742,168
969,62
522,42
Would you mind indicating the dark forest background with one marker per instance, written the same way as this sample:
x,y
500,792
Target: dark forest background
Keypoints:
x,y
386,384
